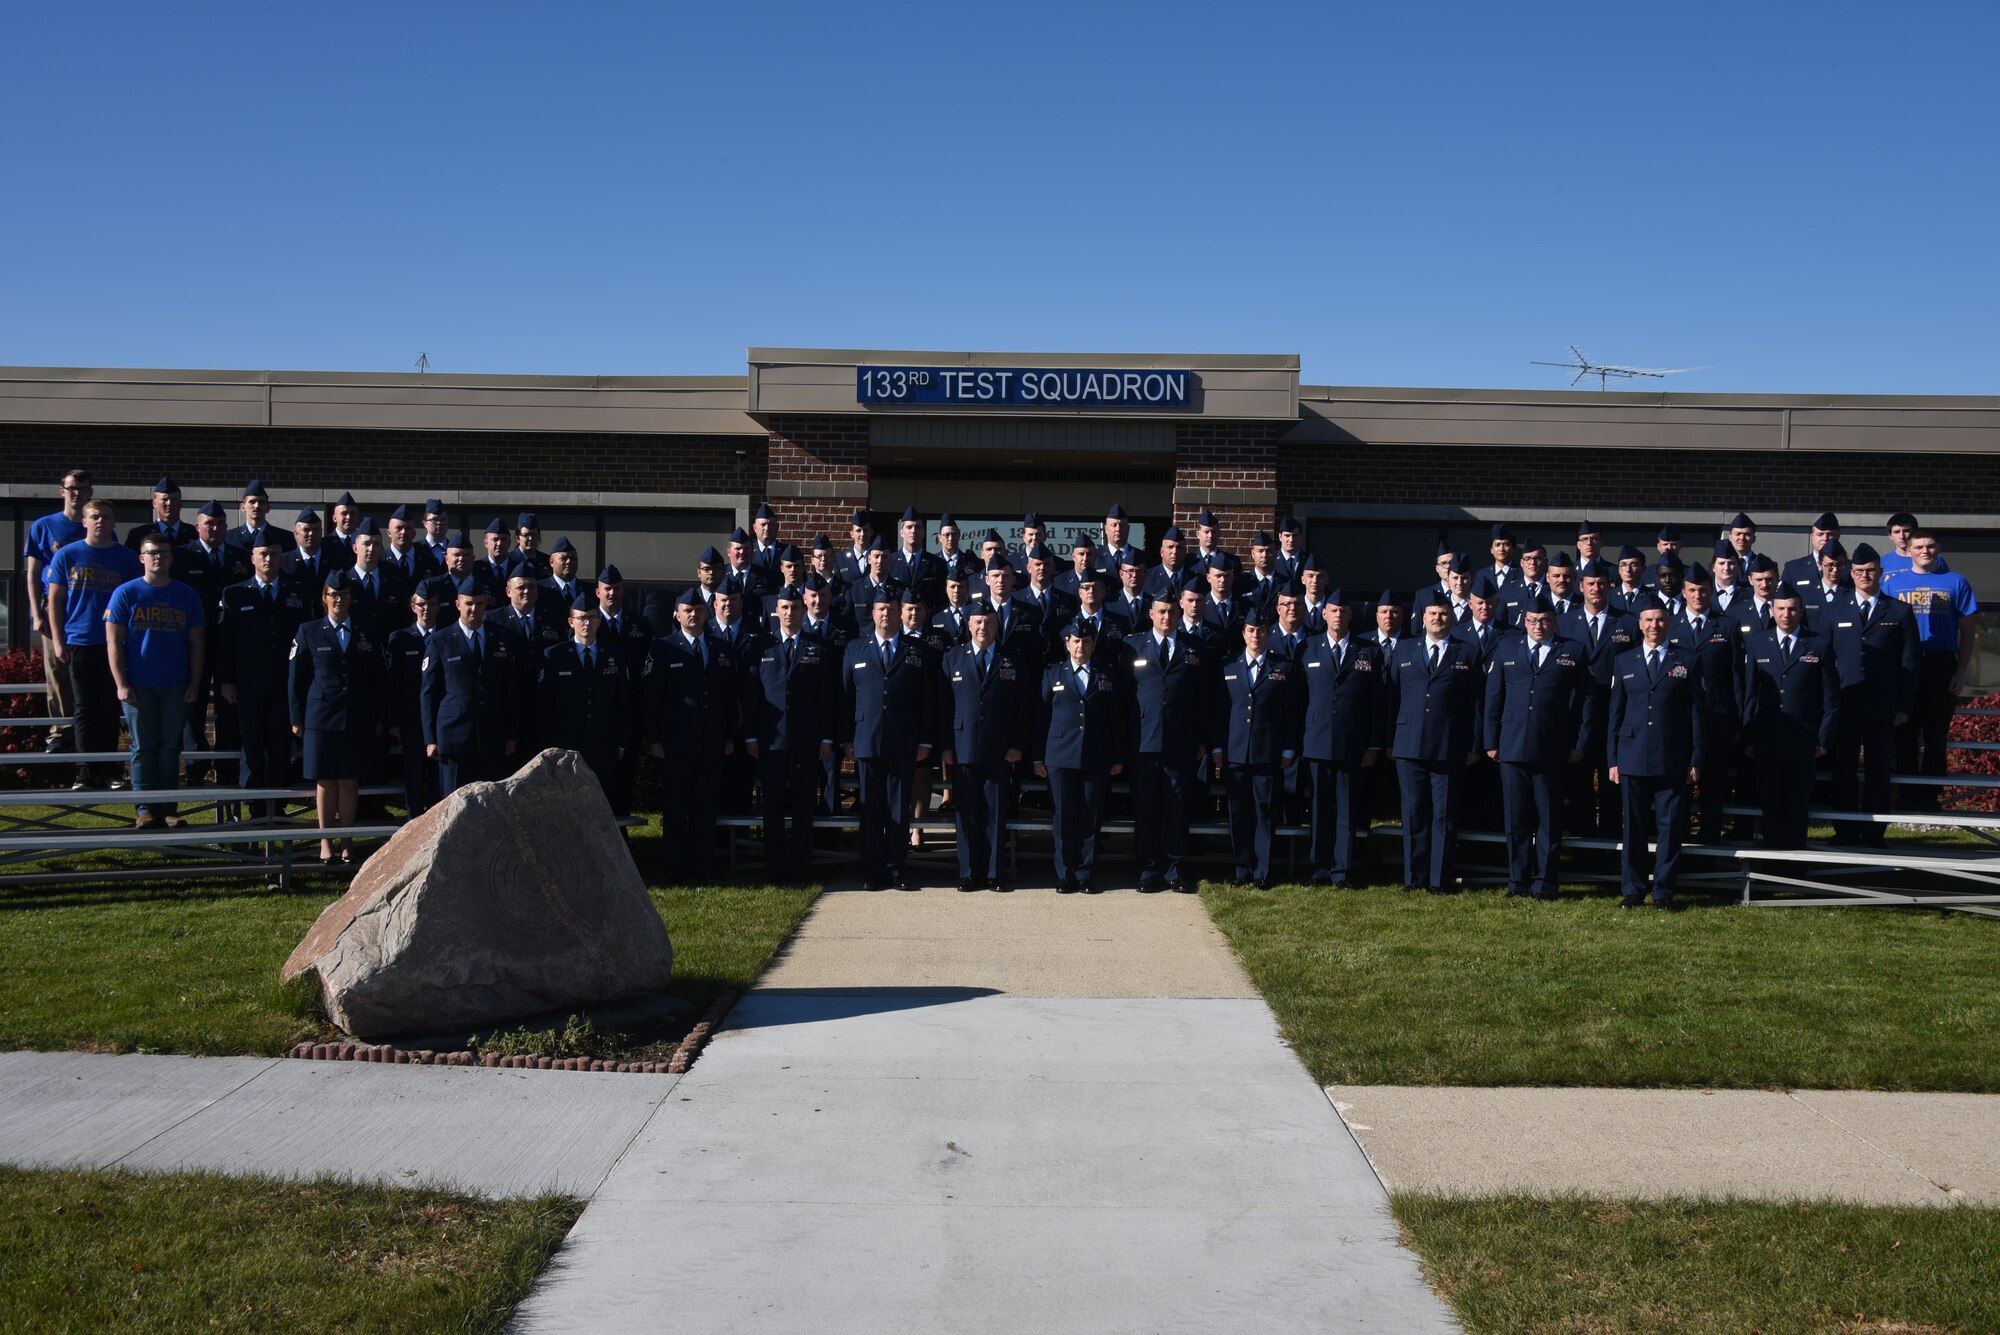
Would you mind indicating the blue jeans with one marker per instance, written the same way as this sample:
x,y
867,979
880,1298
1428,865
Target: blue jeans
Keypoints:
x,y
154,716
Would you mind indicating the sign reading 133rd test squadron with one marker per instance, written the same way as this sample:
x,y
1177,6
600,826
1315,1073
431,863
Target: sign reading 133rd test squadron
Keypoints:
x,y
1022,387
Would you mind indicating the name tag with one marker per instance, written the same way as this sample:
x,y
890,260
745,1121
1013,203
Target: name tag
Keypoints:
x,y
564,673
1628,675
958,676
1763,660
1138,662
1844,625
1060,686
1315,664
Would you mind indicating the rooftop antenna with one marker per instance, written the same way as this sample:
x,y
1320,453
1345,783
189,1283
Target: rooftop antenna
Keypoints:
x,y
1583,366
423,363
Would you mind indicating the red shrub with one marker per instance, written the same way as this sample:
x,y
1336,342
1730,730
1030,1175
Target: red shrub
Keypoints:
x,y
1975,728
21,667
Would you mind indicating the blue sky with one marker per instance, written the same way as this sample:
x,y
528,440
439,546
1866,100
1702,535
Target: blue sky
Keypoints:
x,y
1800,197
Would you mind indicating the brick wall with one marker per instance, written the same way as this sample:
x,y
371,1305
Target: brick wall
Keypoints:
x,y
1228,457
217,461
829,455
1720,480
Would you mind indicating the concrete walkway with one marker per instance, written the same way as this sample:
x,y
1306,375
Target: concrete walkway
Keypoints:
x,y
489,1132
1872,1148
1098,1129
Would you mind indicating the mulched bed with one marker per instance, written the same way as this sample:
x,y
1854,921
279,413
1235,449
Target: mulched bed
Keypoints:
x,y
662,1054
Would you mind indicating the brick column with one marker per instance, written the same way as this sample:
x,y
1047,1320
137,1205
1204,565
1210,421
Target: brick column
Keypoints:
x,y
816,474
1232,469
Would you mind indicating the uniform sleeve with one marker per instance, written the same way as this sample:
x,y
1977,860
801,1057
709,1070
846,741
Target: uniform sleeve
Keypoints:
x,y
750,702
1615,726
1494,701
1391,701
1746,687
1583,710
843,714
1906,667
1038,734
431,692
301,676
545,697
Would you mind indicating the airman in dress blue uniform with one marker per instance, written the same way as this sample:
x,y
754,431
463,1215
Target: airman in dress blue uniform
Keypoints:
x,y
471,689
404,711
1604,632
260,619
1656,729
990,704
1172,679
209,565
338,692
1078,745
1875,651
1791,711
1802,571
1341,741
634,634
1712,644
1538,723
256,527
912,565
166,520
1253,739
886,721
693,703
585,695
1436,692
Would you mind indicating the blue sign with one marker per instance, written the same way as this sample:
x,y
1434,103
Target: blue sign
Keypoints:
x,y
1021,387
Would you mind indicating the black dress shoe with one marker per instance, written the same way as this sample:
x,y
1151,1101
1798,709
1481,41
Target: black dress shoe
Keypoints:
x,y
1150,885
1242,878
999,887
1263,883
875,883
1179,886
1321,878
1067,886
1089,886
904,881
1548,898
1667,905
1630,902
970,884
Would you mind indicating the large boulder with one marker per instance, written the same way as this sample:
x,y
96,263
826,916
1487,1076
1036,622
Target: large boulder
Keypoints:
x,y
505,900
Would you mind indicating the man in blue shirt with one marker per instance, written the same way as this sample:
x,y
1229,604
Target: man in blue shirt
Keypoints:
x,y
153,631
46,536
1944,608
80,581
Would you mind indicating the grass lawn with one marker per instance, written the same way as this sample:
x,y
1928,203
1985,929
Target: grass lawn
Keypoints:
x,y
1379,986
1522,1265
114,1251
192,966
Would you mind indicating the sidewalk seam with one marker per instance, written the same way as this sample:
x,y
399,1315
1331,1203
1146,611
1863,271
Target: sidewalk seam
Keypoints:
x,y
1359,1143
1860,1139
218,1100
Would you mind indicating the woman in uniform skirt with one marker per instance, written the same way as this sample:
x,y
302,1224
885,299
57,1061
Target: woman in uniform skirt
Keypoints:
x,y
337,689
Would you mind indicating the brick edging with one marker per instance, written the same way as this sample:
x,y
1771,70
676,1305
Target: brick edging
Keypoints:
x,y
388,1054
